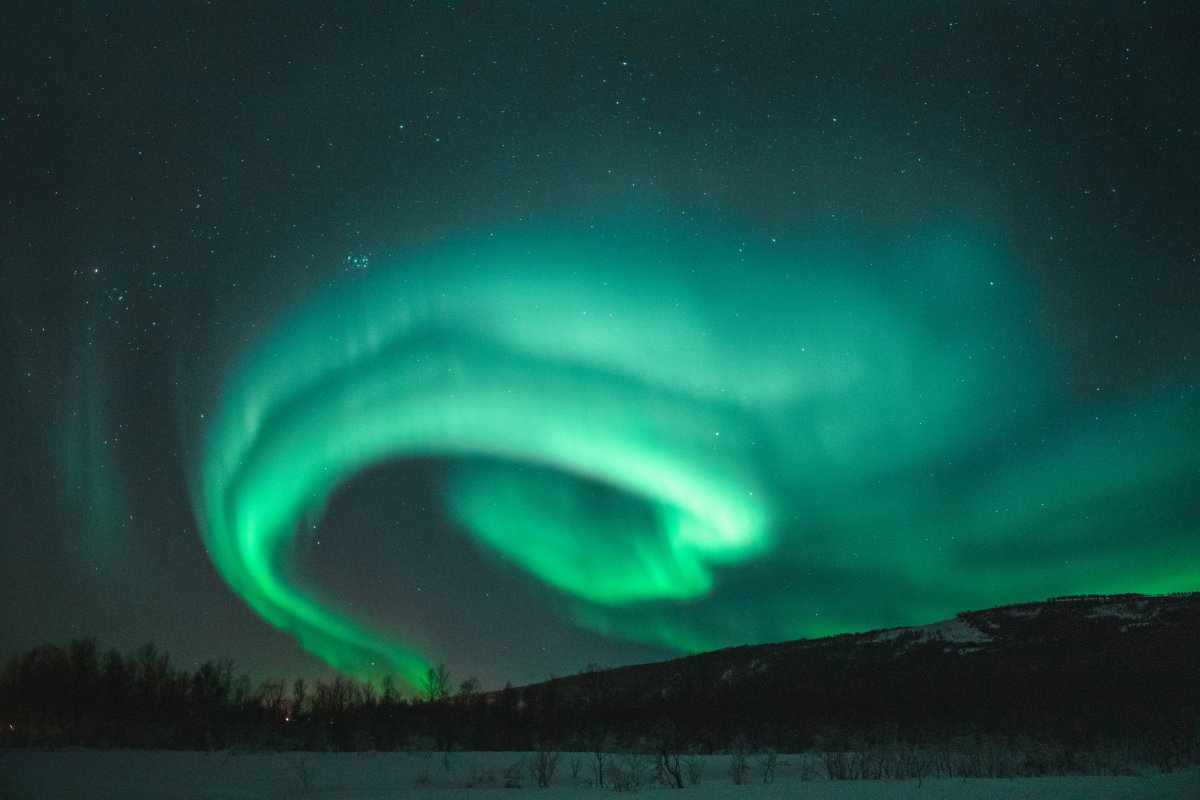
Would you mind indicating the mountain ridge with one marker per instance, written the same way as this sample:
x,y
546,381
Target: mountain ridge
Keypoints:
x,y
1077,673
972,628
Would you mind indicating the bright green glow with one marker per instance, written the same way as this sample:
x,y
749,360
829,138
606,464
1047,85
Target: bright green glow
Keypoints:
x,y
697,441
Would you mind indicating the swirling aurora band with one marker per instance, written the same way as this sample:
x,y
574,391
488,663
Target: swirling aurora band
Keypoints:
x,y
651,421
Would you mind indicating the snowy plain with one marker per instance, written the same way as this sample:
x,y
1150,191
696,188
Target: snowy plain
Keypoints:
x,y
161,775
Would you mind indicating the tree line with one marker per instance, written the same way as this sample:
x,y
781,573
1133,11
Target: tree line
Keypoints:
x,y
1056,694
79,695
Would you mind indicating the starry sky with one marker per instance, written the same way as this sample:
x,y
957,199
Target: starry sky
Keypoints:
x,y
521,336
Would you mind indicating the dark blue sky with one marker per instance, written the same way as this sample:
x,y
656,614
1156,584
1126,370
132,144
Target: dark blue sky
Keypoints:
x,y
173,178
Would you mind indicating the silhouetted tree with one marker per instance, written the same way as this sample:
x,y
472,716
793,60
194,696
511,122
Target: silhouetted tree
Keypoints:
x,y
435,684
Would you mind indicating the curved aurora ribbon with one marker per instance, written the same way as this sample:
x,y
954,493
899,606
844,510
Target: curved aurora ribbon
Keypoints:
x,y
431,363
735,399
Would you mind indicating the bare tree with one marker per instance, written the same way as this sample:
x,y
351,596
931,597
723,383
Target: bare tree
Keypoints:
x,y
598,741
542,764
272,695
468,689
666,753
303,772
739,754
435,685
768,761
389,691
694,764
299,698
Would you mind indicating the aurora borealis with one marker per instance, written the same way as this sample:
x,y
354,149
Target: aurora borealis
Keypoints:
x,y
633,435
584,334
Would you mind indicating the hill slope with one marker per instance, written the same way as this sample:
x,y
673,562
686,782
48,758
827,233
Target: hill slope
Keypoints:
x,y
1073,669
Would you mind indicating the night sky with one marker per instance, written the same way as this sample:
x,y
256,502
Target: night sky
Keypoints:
x,y
522,336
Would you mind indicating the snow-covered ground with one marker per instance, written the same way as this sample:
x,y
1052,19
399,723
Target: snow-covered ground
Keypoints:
x,y
132,775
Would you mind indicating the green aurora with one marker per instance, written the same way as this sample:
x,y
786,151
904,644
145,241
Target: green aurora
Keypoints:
x,y
693,461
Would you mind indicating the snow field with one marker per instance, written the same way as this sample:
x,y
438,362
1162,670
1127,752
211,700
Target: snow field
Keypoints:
x,y
230,775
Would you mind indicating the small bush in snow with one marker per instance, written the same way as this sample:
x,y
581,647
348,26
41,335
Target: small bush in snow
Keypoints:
x,y
768,761
693,765
542,765
514,774
480,777
628,772
739,760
